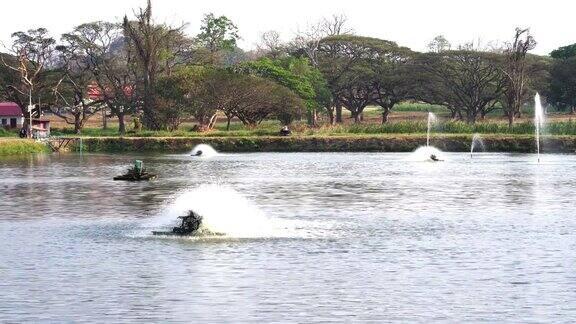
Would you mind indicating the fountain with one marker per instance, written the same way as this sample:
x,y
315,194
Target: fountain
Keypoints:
x,y
476,141
539,121
427,153
431,121
204,151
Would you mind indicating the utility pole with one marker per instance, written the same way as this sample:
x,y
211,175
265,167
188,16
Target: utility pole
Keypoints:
x,y
30,114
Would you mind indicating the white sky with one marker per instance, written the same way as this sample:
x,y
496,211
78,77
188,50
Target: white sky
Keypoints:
x,y
411,23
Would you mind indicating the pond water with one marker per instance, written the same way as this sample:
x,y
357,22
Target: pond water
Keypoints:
x,y
310,238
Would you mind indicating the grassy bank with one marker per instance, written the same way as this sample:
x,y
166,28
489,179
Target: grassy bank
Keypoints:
x,y
270,128
10,146
354,143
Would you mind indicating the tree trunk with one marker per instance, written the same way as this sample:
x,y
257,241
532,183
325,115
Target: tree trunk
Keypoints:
x,y
385,115
330,112
339,113
77,125
311,117
228,120
356,116
315,117
213,121
104,119
511,116
121,124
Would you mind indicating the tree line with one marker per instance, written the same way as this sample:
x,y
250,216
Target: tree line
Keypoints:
x,y
161,76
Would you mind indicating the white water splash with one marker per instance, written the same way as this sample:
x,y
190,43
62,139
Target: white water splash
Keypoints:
x,y
476,142
539,121
431,121
424,153
229,214
206,151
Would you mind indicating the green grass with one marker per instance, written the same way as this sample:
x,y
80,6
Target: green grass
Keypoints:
x,y
419,107
21,146
300,129
8,133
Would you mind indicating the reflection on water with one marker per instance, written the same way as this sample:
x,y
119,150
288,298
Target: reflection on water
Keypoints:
x,y
386,239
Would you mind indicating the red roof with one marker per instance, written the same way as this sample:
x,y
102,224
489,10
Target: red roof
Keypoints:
x,y
10,109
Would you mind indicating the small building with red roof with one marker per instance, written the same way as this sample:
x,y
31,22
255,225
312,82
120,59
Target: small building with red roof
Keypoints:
x,y
11,115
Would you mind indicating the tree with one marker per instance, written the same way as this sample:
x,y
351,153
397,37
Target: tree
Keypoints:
x,y
467,81
150,42
393,79
217,33
307,42
251,98
101,50
297,75
270,45
515,71
355,67
262,98
27,69
563,83
439,44
337,24
564,52
71,100
190,91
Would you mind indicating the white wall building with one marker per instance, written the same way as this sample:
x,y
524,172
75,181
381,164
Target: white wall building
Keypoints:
x,y
11,115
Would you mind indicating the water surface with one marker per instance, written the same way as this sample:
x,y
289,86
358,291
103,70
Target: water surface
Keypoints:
x,y
354,237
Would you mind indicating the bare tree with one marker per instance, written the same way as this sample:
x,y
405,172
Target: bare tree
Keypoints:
x,y
335,25
270,44
33,52
516,78
101,49
308,39
71,103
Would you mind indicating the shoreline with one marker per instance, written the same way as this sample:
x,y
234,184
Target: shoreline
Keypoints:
x,y
16,146
361,143
356,143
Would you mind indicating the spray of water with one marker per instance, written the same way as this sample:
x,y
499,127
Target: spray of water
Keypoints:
x,y
539,121
206,151
227,214
424,153
431,120
476,142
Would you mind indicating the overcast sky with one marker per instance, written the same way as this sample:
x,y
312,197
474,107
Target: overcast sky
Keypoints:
x,y
411,23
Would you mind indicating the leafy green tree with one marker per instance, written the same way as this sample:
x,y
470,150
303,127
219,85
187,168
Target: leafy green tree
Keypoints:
x,y
564,52
563,83
393,80
189,91
297,75
469,81
218,33
153,45
439,44
360,71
